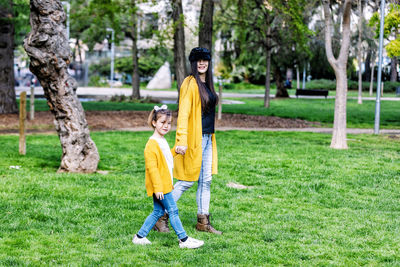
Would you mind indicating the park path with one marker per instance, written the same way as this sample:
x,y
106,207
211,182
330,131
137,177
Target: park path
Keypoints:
x,y
312,130
106,92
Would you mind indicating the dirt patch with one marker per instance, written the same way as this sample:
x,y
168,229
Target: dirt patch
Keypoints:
x,y
113,120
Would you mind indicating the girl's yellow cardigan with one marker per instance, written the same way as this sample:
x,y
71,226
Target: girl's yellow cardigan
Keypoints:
x,y
158,177
189,133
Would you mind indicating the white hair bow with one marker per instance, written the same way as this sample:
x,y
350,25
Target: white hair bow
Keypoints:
x,y
156,108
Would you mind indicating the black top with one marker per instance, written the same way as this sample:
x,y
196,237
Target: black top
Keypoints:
x,y
208,115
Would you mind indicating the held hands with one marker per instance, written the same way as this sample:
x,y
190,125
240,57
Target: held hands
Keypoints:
x,y
181,149
159,195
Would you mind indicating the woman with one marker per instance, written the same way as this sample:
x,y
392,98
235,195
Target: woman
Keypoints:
x,y
195,140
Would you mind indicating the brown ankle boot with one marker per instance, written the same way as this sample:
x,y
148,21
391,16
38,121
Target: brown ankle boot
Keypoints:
x,y
203,224
162,224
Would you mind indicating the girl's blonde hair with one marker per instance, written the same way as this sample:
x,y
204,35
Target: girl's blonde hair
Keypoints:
x,y
156,113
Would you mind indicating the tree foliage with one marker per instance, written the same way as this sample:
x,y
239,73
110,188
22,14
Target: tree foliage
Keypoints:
x,y
391,28
244,31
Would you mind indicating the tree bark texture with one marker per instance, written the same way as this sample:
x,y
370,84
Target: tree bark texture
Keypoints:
x,y
393,69
179,42
206,24
49,53
135,60
280,86
8,103
359,99
339,65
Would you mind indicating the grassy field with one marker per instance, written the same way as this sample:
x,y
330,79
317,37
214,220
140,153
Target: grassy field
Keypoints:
x,y
320,110
306,204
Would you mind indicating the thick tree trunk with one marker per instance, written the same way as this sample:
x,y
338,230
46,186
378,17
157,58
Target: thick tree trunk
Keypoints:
x,y
8,102
135,73
49,53
268,80
179,42
280,86
206,24
359,99
339,138
393,69
339,65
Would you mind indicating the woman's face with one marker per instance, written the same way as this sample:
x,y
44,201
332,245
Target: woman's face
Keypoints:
x,y
202,66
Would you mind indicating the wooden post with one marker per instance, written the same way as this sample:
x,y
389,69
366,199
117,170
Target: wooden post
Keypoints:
x,y
22,118
220,100
32,104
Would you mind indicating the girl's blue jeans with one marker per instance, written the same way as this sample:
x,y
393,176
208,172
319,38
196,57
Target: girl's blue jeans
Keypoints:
x,y
168,204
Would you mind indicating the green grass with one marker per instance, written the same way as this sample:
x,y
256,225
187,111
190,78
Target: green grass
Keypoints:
x,y
307,204
319,110
322,110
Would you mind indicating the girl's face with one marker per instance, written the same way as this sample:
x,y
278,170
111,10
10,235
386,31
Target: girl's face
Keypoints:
x,y
202,66
162,125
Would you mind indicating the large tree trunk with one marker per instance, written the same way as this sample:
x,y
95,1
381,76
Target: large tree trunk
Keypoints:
x,y
135,73
359,101
206,24
393,69
179,42
280,86
47,47
339,65
8,103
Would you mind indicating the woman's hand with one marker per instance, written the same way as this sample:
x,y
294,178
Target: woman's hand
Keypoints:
x,y
159,195
181,149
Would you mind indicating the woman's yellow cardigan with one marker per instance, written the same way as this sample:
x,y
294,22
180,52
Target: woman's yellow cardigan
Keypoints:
x,y
158,177
189,133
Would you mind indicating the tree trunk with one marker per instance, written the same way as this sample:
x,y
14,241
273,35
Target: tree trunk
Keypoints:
x,y
8,103
339,65
135,61
280,86
371,84
49,53
393,69
268,80
367,72
179,42
206,24
359,100
339,138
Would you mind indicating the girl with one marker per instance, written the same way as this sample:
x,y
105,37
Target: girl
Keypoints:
x,y
195,140
159,162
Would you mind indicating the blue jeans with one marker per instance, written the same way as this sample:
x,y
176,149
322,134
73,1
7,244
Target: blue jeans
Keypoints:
x,y
204,183
169,205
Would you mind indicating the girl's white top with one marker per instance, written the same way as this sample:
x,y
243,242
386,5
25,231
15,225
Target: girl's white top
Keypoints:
x,y
162,142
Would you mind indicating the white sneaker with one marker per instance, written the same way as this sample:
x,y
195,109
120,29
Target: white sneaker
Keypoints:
x,y
191,243
140,241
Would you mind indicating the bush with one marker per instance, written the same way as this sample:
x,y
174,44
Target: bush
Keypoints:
x,y
241,85
352,85
96,80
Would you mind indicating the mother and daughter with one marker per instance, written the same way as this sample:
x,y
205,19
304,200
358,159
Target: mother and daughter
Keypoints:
x,y
193,158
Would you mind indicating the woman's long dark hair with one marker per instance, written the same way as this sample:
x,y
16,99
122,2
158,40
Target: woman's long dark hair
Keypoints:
x,y
202,90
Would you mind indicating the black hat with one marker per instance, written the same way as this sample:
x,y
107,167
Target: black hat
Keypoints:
x,y
198,53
